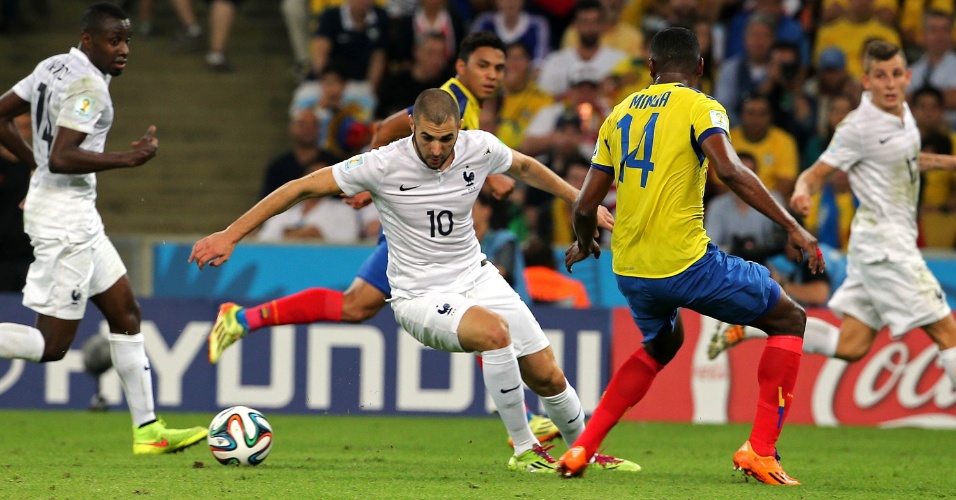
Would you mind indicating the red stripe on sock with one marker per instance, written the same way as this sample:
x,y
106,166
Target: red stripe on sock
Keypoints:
x,y
627,387
776,376
307,306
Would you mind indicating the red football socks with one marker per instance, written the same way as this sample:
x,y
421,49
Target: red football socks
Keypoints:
x,y
776,376
626,388
307,306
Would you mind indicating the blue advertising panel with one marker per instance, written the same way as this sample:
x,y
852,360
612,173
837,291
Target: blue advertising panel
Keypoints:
x,y
260,271
373,368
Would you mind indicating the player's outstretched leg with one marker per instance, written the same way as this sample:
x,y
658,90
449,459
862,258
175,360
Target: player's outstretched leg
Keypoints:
x,y
728,335
155,438
225,331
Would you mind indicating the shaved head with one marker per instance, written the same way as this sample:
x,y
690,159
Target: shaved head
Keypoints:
x,y
436,106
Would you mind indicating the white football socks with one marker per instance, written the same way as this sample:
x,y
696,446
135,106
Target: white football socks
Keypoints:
x,y
947,358
21,342
820,337
129,359
566,412
503,380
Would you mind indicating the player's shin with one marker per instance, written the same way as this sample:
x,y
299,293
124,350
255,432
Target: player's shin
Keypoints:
x,y
566,412
129,358
20,342
503,380
776,377
627,387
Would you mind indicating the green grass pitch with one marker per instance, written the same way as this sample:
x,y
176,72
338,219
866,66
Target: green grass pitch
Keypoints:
x,y
62,454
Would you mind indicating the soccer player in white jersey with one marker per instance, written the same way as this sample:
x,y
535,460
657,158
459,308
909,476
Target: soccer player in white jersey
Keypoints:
x,y
443,292
888,283
68,99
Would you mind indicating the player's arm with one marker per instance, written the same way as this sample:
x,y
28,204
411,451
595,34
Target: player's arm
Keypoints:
x,y
216,248
392,128
809,183
66,156
535,174
932,161
745,183
12,106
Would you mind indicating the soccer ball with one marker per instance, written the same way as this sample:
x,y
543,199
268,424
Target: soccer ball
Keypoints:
x,y
240,436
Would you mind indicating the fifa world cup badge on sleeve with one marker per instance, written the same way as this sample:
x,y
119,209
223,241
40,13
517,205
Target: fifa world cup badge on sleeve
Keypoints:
x,y
83,108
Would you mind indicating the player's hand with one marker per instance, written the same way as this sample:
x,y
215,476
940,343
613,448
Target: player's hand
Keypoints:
x,y
358,201
800,202
575,253
214,250
146,147
501,186
801,239
604,218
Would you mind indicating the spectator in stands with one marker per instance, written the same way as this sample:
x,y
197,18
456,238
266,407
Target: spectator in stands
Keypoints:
x,y
830,83
513,25
343,123
561,217
851,31
785,29
429,69
739,229
430,16
583,100
327,220
16,252
937,67
547,285
911,20
354,35
793,109
938,200
296,15
615,32
831,212
840,106
304,132
776,151
937,208
499,244
561,157
521,98
883,10
745,73
222,16
590,56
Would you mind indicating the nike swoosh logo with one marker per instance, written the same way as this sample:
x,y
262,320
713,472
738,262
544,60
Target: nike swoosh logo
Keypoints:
x,y
577,417
409,188
506,391
161,444
886,139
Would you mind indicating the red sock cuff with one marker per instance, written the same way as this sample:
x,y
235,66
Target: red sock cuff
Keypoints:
x,y
786,342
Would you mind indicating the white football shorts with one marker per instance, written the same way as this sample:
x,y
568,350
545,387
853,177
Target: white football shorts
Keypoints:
x,y
903,295
433,319
65,275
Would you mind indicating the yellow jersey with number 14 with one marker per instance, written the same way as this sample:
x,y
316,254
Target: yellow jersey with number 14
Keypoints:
x,y
651,144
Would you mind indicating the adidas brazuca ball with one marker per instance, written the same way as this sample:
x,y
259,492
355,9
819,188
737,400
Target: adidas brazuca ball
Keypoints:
x,y
240,436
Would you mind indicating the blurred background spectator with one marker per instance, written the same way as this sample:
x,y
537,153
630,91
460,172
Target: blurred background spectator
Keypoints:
x,y
615,32
499,243
429,69
304,132
850,31
547,285
327,220
513,25
589,56
937,67
775,150
745,73
519,100
430,17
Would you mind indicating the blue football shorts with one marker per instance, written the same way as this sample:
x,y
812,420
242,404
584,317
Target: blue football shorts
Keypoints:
x,y
722,286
